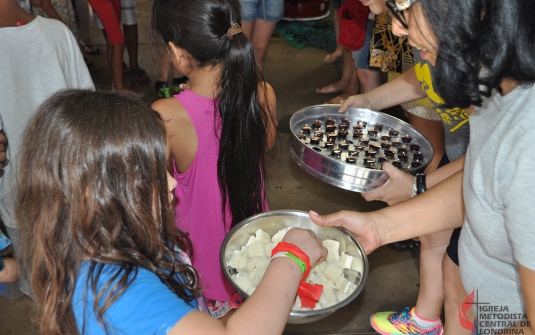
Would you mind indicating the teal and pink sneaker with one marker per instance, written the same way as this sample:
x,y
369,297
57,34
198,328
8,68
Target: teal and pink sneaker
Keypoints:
x,y
401,323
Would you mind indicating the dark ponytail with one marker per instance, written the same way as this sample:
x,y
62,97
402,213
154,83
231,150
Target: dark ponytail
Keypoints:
x,y
200,27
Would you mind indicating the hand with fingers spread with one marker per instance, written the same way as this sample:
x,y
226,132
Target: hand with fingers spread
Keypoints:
x,y
397,188
361,225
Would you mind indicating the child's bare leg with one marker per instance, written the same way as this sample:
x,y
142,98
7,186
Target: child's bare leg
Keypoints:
x,y
431,294
454,295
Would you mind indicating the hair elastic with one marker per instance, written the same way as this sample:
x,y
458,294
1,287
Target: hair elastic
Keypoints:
x,y
233,30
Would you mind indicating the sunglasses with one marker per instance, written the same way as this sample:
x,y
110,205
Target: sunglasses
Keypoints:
x,y
397,8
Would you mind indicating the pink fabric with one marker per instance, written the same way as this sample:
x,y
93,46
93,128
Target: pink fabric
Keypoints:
x,y
198,209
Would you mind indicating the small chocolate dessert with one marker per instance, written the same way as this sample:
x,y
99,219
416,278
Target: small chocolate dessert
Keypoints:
x,y
415,147
386,137
389,153
396,142
397,164
406,139
352,153
329,121
403,150
336,152
343,126
342,133
351,160
364,141
302,137
370,153
314,140
358,128
329,145
369,161
375,146
403,158
418,156
359,147
346,121
306,129
317,149
382,159
393,132
372,132
331,137
316,124
378,126
385,145
319,133
357,134
343,145
416,164
362,123
330,128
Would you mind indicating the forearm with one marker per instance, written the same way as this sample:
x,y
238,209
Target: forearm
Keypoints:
x,y
403,89
439,208
274,296
445,172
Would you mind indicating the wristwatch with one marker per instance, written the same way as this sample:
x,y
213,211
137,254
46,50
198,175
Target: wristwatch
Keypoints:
x,y
418,184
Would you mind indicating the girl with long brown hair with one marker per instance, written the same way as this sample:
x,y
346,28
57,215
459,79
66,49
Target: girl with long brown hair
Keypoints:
x,y
98,228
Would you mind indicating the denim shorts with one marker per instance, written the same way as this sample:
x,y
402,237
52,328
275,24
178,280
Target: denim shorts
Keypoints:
x,y
267,10
362,56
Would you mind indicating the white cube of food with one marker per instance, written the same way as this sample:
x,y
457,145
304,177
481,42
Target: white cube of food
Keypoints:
x,y
333,272
251,264
312,278
329,286
332,247
279,235
267,249
331,297
346,260
357,264
323,299
242,280
262,236
255,250
251,240
343,284
321,278
320,267
341,296
238,260
352,287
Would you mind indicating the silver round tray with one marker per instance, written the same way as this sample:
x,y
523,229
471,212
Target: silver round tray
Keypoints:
x,y
357,167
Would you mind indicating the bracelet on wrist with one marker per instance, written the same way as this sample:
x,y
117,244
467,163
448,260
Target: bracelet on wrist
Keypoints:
x,y
421,186
286,254
298,255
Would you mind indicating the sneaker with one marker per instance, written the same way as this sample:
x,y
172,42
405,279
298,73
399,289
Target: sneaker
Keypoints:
x,y
392,323
162,90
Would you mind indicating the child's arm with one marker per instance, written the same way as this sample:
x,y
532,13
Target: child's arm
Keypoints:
x,y
267,309
269,102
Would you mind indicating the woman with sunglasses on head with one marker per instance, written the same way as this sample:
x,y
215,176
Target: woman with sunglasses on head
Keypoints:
x,y
482,49
415,83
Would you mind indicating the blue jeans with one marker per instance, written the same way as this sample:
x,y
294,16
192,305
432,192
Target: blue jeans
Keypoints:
x,y
267,10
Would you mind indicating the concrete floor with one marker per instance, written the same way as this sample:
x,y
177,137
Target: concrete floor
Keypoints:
x,y
294,74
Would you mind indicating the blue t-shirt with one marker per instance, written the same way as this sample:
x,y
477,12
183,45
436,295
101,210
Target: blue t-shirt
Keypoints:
x,y
147,306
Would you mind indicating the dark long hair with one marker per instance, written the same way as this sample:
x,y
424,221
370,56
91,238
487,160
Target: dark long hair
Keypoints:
x,y
92,186
497,35
200,27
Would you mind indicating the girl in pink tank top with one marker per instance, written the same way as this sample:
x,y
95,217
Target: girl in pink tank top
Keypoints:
x,y
218,132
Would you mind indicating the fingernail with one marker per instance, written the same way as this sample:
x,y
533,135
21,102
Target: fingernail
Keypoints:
x,y
313,213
